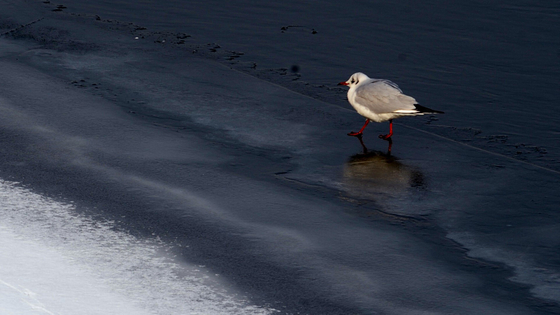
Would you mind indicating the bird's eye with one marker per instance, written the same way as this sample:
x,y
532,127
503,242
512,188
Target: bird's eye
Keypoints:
x,y
352,81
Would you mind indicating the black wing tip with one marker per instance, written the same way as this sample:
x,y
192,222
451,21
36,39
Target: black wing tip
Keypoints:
x,y
427,110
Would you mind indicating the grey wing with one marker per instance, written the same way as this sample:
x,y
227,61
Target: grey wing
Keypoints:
x,y
384,96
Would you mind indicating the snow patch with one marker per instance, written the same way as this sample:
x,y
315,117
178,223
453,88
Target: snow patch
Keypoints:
x,y
56,261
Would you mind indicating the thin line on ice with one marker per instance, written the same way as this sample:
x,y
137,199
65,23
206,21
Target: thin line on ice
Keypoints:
x,y
14,295
483,150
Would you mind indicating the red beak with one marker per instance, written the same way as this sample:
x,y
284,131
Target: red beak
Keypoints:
x,y
342,83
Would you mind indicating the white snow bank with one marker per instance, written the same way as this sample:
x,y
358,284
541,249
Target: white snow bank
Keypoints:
x,y
55,261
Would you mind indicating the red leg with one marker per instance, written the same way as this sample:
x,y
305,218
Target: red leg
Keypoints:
x,y
388,136
359,133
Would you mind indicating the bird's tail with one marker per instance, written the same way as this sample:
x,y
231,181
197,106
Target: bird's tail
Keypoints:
x,y
427,110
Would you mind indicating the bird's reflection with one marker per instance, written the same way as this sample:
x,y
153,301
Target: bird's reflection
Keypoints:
x,y
373,174
389,147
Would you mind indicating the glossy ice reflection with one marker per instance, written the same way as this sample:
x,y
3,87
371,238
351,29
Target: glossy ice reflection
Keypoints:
x,y
377,175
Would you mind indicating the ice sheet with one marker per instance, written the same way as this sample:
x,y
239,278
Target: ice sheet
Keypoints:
x,y
103,112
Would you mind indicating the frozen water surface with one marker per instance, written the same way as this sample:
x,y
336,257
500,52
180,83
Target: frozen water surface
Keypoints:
x,y
166,156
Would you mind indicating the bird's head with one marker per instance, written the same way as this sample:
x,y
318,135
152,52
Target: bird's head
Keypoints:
x,y
355,79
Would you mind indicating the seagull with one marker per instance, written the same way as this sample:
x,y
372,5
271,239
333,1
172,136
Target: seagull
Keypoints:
x,y
381,100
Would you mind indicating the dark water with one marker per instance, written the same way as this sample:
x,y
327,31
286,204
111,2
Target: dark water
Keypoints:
x,y
220,126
